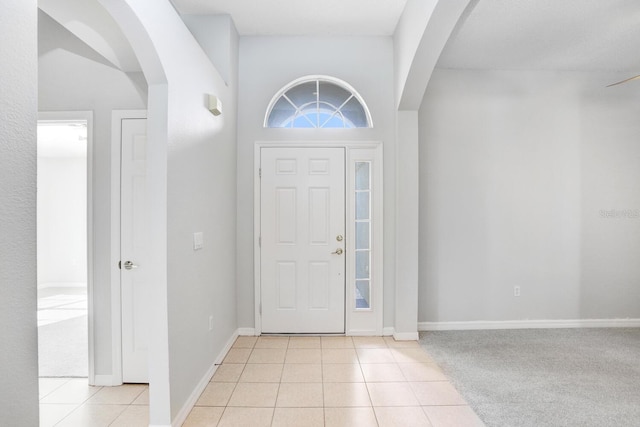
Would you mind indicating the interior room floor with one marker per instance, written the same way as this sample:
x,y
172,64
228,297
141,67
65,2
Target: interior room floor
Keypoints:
x,y
329,381
287,381
62,331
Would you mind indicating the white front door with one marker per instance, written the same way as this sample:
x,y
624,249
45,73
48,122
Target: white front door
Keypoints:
x,y
134,286
302,226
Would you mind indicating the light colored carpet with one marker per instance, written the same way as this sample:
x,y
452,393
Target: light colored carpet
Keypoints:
x,y
63,348
550,377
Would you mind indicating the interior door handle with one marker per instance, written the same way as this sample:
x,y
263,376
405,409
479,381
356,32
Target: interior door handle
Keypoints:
x,y
338,251
128,265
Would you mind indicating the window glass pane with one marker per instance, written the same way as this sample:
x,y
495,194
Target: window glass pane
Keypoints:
x,y
363,294
333,94
303,93
281,114
362,264
354,112
362,175
330,119
304,122
362,235
362,205
326,121
339,106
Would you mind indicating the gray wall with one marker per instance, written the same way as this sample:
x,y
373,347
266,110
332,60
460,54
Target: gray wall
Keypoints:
x,y
18,115
515,171
269,63
71,76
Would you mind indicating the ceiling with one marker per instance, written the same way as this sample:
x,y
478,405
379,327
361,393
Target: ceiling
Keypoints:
x,y
303,17
589,35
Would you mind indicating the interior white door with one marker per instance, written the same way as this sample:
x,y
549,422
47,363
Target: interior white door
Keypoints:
x,y
302,226
133,241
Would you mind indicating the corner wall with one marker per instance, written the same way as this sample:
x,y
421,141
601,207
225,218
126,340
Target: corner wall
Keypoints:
x,y
517,173
18,117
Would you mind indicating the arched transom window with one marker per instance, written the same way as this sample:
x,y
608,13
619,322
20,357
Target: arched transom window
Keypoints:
x,y
317,102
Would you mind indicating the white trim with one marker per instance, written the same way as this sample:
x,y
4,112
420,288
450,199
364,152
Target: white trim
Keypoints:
x,y
116,312
388,331
62,116
313,78
529,324
204,381
378,227
247,332
362,333
105,381
406,336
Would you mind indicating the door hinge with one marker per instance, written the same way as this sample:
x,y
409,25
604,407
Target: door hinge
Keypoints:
x,y
259,241
120,265
260,173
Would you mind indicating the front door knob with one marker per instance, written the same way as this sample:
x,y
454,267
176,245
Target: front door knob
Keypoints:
x,y
128,265
338,251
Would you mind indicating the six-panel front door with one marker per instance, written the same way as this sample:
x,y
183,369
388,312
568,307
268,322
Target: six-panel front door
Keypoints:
x,y
302,223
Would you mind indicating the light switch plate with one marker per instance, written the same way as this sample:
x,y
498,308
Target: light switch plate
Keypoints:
x,y
198,241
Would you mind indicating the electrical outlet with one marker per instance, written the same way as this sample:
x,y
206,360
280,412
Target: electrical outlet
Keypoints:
x,y
211,323
516,291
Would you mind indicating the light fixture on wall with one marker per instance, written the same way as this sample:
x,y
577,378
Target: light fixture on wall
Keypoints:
x,y
215,105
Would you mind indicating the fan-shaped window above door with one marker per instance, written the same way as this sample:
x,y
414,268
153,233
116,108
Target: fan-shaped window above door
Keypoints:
x,y
317,102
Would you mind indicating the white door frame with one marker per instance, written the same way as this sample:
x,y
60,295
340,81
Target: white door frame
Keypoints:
x,y
88,117
116,306
357,321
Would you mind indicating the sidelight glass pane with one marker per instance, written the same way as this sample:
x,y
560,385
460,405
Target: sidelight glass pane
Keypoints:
x,y
362,264
362,175
362,235
362,205
363,294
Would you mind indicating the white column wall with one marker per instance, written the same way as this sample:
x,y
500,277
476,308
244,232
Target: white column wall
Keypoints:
x,y
18,117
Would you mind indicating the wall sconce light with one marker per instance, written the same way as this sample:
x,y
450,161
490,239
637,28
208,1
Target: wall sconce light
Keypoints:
x,y
215,105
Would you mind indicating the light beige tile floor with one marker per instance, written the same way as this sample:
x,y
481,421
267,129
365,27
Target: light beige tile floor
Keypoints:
x,y
330,381
286,381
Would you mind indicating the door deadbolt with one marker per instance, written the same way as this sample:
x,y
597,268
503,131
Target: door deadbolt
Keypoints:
x,y
339,238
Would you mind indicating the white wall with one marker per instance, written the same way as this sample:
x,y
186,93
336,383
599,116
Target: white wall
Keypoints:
x,y
62,220
269,63
515,168
72,77
18,116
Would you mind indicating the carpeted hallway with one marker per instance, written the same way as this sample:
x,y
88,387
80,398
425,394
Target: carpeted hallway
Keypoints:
x,y
548,377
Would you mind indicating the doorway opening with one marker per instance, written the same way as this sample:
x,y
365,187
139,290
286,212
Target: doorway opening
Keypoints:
x,y
63,244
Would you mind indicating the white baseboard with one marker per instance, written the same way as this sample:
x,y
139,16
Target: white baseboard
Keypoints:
x,y
529,324
388,331
247,332
190,403
406,336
